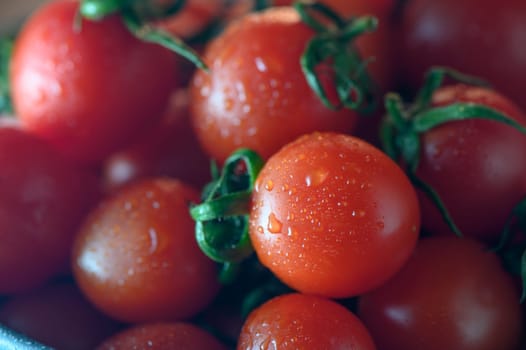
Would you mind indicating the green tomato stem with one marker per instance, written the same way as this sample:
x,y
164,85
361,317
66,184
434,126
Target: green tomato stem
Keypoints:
x,y
222,219
6,49
96,10
333,45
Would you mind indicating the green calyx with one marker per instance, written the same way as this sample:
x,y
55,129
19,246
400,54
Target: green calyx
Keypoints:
x,y
222,217
512,253
333,46
138,16
6,48
403,125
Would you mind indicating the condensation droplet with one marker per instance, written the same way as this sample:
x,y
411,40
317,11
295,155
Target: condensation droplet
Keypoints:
x,y
316,177
228,104
260,64
274,225
269,186
153,240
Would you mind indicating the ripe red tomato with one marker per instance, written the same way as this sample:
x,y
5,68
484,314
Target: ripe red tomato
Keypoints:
x,y
483,38
170,149
452,294
136,257
88,91
162,336
255,94
57,315
43,199
298,321
478,167
333,215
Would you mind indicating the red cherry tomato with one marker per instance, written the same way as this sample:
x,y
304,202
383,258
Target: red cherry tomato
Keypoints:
x,y
255,94
170,149
478,167
136,257
333,215
43,199
482,38
163,336
452,294
57,315
91,90
297,321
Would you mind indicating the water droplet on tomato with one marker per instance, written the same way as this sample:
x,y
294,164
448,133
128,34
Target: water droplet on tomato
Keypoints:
x,y
152,235
274,225
269,186
317,177
260,64
228,104
260,229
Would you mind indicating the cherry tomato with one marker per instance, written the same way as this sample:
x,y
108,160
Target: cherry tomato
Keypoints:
x,y
43,199
255,94
482,38
57,315
297,321
478,167
90,90
136,257
333,215
452,294
170,149
162,336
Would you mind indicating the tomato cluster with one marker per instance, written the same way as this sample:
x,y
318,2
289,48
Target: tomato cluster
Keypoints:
x,y
264,175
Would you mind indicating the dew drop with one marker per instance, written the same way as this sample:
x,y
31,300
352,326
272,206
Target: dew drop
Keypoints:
x,y
317,177
153,240
274,225
228,104
260,64
269,186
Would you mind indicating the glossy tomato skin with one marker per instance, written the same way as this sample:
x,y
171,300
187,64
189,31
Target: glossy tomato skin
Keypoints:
x,y
478,167
43,199
298,321
333,215
136,257
482,38
255,94
89,91
59,316
162,336
452,294
170,149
